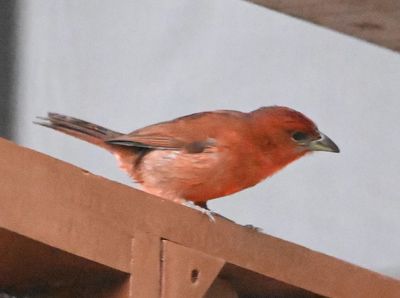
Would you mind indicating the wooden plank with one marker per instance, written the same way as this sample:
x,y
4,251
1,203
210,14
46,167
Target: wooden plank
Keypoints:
x,y
376,21
52,202
146,266
187,272
41,199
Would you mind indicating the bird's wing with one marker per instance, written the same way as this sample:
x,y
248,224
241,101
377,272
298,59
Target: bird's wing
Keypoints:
x,y
148,141
193,133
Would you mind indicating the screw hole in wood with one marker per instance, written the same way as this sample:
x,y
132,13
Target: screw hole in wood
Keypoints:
x,y
194,275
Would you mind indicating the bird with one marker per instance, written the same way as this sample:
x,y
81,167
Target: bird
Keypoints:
x,y
206,155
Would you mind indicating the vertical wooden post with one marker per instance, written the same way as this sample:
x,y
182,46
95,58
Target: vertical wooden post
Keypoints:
x,y
145,278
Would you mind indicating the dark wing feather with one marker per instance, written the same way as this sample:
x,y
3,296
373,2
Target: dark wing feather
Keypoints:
x,y
193,133
148,141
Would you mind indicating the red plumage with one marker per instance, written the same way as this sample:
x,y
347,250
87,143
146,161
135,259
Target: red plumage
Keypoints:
x,y
205,155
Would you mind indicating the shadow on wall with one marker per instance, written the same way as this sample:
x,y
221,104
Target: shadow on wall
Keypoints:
x,y
7,69
8,20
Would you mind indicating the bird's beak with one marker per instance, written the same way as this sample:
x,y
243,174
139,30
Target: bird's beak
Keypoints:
x,y
323,144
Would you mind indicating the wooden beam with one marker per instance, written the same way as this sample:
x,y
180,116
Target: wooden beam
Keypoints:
x,y
146,266
376,21
90,217
187,272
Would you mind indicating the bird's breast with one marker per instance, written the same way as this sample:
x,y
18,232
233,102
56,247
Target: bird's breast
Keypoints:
x,y
215,172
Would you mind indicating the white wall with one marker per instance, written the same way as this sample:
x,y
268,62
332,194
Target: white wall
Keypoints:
x,y
126,64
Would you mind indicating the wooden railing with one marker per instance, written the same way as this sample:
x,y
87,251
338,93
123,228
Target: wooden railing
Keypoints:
x,y
67,233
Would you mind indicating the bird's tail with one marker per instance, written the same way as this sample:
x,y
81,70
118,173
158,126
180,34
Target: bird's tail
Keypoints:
x,y
80,129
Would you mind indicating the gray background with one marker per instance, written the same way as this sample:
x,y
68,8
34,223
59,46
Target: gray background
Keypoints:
x,y
126,64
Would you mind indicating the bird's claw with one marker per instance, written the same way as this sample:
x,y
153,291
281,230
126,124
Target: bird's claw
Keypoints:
x,y
207,212
253,228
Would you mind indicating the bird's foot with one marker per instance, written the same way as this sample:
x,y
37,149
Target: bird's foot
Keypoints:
x,y
207,212
253,228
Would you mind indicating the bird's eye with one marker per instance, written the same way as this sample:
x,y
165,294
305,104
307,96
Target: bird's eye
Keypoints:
x,y
299,136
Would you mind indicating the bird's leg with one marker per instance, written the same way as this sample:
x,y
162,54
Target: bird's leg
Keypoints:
x,y
253,228
203,208
204,205
248,226
197,207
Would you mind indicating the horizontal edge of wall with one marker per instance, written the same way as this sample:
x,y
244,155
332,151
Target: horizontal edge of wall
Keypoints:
x,y
374,21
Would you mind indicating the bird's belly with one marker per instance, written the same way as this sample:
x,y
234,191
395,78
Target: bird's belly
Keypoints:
x,y
197,177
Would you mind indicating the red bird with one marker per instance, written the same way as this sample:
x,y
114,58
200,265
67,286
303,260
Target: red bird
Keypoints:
x,y
206,155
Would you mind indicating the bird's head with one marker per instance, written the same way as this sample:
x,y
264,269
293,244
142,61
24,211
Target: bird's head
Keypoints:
x,y
289,133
